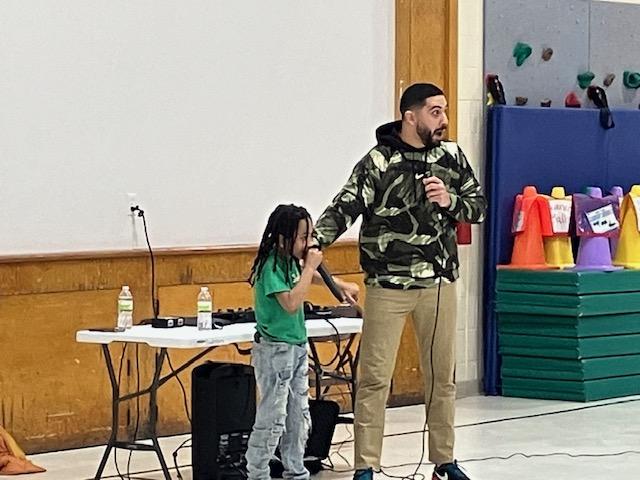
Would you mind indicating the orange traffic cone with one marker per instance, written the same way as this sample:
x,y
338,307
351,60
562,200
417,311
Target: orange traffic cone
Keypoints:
x,y
531,221
628,251
557,248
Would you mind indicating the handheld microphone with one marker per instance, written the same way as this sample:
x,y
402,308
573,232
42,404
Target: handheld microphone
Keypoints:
x,y
328,280
335,290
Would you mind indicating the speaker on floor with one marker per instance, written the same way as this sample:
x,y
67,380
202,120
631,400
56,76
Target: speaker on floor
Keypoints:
x,y
223,406
324,416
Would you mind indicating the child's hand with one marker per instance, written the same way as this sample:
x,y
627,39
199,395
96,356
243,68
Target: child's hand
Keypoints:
x,y
313,258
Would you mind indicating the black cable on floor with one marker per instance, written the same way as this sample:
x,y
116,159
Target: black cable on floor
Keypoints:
x,y
470,460
141,472
519,417
530,456
516,454
552,454
175,456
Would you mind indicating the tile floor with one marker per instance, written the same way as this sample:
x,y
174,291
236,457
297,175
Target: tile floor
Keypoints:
x,y
484,428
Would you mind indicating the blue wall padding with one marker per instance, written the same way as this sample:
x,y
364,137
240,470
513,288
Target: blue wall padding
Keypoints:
x,y
546,147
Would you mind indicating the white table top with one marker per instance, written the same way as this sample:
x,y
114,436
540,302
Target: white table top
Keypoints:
x,y
191,337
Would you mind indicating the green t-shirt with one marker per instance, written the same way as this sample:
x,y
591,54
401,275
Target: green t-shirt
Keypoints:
x,y
274,322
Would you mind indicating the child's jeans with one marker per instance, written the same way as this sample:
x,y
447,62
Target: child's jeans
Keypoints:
x,y
282,416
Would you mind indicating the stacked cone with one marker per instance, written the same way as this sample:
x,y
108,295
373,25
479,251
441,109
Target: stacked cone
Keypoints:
x,y
628,251
594,252
613,241
557,248
532,222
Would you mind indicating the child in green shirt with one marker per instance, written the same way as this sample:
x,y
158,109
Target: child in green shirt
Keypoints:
x,y
279,354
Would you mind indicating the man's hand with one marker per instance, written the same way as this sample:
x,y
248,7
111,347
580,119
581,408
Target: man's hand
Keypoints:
x,y
351,291
436,191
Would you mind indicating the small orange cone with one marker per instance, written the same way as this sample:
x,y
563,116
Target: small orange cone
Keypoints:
x,y
531,221
12,458
557,248
628,251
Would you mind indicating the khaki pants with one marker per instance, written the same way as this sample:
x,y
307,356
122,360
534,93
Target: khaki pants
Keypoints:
x,y
384,316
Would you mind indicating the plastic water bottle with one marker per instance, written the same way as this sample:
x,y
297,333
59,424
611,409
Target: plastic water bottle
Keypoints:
x,y
205,307
125,309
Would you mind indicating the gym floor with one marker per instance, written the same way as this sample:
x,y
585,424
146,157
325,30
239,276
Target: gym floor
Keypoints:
x,y
563,440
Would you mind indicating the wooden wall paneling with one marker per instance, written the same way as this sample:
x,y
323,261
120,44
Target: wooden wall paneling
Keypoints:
x,y
55,391
428,41
451,58
402,50
50,276
427,49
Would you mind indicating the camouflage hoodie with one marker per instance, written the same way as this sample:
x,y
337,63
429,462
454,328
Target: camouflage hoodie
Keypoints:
x,y
405,241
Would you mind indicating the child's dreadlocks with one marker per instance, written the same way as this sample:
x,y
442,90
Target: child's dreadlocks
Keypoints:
x,y
283,222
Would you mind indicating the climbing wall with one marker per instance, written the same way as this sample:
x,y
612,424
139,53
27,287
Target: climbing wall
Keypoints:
x,y
584,35
615,47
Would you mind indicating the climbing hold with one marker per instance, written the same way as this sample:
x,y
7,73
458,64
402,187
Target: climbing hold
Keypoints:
x,y
547,53
585,78
608,80
521,101
546,102
631,79
521,52
572,101
598,96
496,90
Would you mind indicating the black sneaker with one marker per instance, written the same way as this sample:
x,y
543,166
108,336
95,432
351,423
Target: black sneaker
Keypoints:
x,y
449,471
364,474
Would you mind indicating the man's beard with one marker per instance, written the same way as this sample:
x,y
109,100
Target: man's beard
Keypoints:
x,y
427,136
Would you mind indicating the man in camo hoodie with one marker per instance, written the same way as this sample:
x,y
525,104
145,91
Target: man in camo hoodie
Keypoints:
x,y
411,189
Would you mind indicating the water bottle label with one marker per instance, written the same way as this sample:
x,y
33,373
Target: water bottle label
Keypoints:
x,y
204,306
125,305
122,322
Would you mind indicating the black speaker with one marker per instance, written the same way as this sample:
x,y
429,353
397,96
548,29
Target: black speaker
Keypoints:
x,y
223,405
324,416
